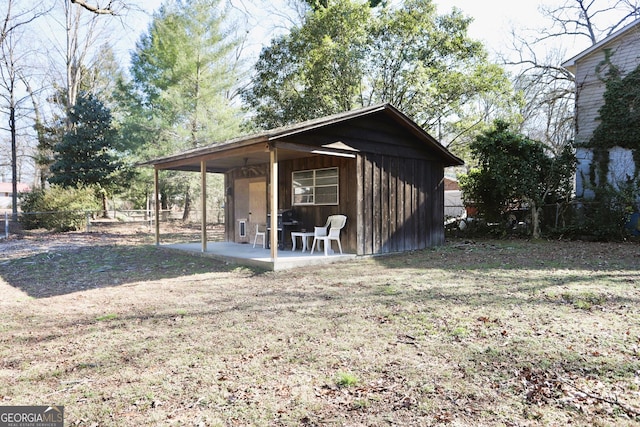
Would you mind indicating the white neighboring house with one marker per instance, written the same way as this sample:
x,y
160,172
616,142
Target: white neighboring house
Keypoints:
x,y
624,48
6,193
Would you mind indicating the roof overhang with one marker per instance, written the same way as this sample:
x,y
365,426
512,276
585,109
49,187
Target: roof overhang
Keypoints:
x,y
254,149
221,158
571,64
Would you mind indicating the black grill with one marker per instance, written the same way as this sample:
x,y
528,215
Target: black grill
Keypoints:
x,y
286,219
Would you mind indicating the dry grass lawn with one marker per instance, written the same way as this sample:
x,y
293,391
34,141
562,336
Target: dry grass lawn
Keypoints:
x,y
484,333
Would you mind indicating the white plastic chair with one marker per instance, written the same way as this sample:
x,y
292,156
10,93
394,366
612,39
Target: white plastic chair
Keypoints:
x,y
262,234
335,223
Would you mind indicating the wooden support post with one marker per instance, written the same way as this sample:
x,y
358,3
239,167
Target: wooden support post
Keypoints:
x,y
273,192
203,202
156,190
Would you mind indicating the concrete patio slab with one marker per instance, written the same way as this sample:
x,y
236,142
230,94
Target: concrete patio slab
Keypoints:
x,y
246,254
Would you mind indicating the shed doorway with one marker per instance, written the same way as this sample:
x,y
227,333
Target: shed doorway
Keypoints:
x,y
250,207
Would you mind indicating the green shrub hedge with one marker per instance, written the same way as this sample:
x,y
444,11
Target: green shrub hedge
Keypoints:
x,y
57,208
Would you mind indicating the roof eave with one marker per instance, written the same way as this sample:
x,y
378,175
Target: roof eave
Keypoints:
x,y
210,149
570,64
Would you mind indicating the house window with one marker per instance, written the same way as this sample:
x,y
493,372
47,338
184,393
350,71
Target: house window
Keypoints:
x,y
315,187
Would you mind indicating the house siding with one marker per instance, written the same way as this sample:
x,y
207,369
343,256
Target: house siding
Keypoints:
x,y
590,88
625,55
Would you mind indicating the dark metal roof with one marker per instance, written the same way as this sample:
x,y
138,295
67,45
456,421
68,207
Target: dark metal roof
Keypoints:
x,y
254,149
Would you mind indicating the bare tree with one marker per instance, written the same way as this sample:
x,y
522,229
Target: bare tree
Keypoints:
x,y
43,151
81,35
74,38
593,19
109,9
14,19
548,90
12,60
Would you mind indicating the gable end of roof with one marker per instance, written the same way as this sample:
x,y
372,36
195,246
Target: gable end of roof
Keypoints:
x,y
570,64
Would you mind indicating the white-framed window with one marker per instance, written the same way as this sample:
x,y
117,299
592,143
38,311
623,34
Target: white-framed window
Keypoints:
x,y
315,187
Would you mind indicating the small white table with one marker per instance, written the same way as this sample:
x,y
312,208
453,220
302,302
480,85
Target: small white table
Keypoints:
x,y
304,236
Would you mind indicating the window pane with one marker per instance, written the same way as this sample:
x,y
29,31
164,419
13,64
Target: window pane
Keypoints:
x,y
303,199
303,195
327,195
303,182
302,175
326,172
303,190
315,187
329,180
327,176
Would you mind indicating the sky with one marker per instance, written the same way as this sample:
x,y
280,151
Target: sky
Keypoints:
x,y
493,19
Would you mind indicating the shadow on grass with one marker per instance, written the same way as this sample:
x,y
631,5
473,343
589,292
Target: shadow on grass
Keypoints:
x,y
68,271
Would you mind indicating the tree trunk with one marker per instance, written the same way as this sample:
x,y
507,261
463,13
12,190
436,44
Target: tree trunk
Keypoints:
x,y
43,158
77,49
105,213
535,220
14,162
187,205
164,204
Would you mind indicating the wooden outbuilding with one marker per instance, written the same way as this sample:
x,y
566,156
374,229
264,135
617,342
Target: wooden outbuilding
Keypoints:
x,y
374,165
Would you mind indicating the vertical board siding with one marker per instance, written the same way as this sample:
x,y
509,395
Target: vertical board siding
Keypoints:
x,y
422,206
392,204
360,205
400,220
407,224
368,207
429,199
385,211
317,215
376,209
436,231
402,205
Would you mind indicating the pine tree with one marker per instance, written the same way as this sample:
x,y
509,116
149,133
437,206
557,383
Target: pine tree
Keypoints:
x,y
85,155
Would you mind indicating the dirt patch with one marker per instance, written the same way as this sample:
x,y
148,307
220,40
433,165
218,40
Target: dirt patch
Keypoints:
x,y
24,243
476,333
